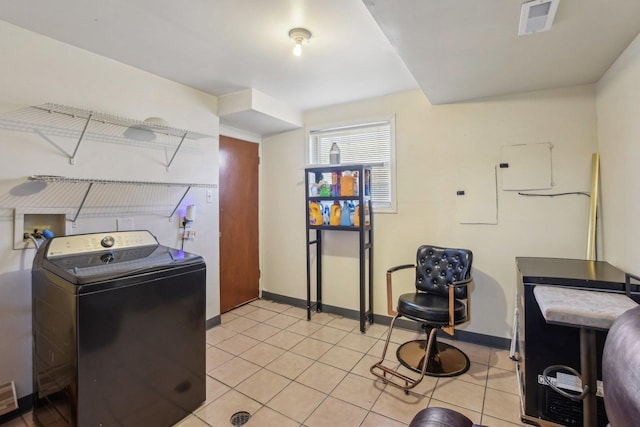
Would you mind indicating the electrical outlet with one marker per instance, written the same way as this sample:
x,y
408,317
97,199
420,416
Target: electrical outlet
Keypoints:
x,y
188,235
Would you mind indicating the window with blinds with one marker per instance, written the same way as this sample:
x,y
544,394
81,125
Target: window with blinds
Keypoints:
x,y
369,144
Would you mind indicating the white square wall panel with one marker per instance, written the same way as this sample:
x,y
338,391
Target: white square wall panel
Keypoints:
x,y
476,195
526,167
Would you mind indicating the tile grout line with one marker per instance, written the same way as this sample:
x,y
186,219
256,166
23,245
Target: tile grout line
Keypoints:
x,y
326,395
363,355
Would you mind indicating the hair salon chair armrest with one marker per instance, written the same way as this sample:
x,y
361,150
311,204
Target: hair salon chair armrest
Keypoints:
x,y
390,300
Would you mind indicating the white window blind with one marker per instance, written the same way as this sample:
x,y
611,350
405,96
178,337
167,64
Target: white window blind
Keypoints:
x,y
369,144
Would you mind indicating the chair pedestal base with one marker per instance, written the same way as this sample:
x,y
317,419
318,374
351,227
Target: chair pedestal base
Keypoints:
x,y
445,360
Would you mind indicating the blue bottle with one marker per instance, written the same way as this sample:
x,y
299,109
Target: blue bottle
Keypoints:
x,y
345,215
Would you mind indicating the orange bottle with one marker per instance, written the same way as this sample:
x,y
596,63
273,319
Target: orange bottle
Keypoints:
x,y
315,213
356,217
346,185
336,211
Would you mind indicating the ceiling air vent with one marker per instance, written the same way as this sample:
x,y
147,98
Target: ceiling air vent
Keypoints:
x,y
537,16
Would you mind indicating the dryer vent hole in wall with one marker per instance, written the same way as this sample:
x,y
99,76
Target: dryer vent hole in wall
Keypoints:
x,y
240,418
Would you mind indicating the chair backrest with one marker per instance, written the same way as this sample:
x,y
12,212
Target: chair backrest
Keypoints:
x,y
437,267
620,370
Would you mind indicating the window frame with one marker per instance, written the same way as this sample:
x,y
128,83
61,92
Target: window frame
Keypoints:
x,y
361,123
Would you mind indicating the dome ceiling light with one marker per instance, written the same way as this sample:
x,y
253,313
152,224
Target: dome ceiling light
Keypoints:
x,y
299,36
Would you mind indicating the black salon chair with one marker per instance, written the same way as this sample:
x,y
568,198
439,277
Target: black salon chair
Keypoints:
x,y
441,417
442,276
620,372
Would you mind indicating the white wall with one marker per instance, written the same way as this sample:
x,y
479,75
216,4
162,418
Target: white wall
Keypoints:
x,y
36,70
618,106
433,143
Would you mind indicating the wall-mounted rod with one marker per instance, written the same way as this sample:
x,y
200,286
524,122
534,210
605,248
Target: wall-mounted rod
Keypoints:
x,y
72,159
178,205
593,208
176,152
84,199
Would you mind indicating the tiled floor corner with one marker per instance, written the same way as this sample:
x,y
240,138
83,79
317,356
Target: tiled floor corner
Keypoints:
x,y
267,359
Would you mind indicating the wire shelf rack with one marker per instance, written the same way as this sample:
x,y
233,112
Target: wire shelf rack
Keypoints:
x,y
99,197
76,123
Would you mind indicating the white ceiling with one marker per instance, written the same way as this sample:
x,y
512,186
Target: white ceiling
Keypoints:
x,y
456,49
460,49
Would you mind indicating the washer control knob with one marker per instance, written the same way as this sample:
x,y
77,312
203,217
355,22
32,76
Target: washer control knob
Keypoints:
x,y
107,241
107,258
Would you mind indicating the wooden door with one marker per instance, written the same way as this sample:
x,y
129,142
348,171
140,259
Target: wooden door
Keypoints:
x,y
239,263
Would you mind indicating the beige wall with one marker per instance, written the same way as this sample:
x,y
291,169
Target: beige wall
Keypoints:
x,y
42,70
36,70
618,106
433,143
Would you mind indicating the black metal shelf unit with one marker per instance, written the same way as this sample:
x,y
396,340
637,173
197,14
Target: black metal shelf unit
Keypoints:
x,y
323,191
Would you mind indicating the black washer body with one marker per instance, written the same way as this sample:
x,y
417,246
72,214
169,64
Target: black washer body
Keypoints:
x,y
118,335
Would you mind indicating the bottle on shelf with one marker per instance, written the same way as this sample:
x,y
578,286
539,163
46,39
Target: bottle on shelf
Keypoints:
x,y
352,212
325,189
345,214
356,217
356,187
315,213
326,213
346,184
335,184
316,184
367,183
334,218
334,154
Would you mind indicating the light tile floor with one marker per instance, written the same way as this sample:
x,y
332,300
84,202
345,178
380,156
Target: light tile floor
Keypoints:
x,y
268,360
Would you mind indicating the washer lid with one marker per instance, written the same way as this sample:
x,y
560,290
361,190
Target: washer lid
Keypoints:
x,y
108,265
91,258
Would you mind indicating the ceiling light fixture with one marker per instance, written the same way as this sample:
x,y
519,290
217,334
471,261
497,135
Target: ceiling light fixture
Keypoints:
x,y
299,36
